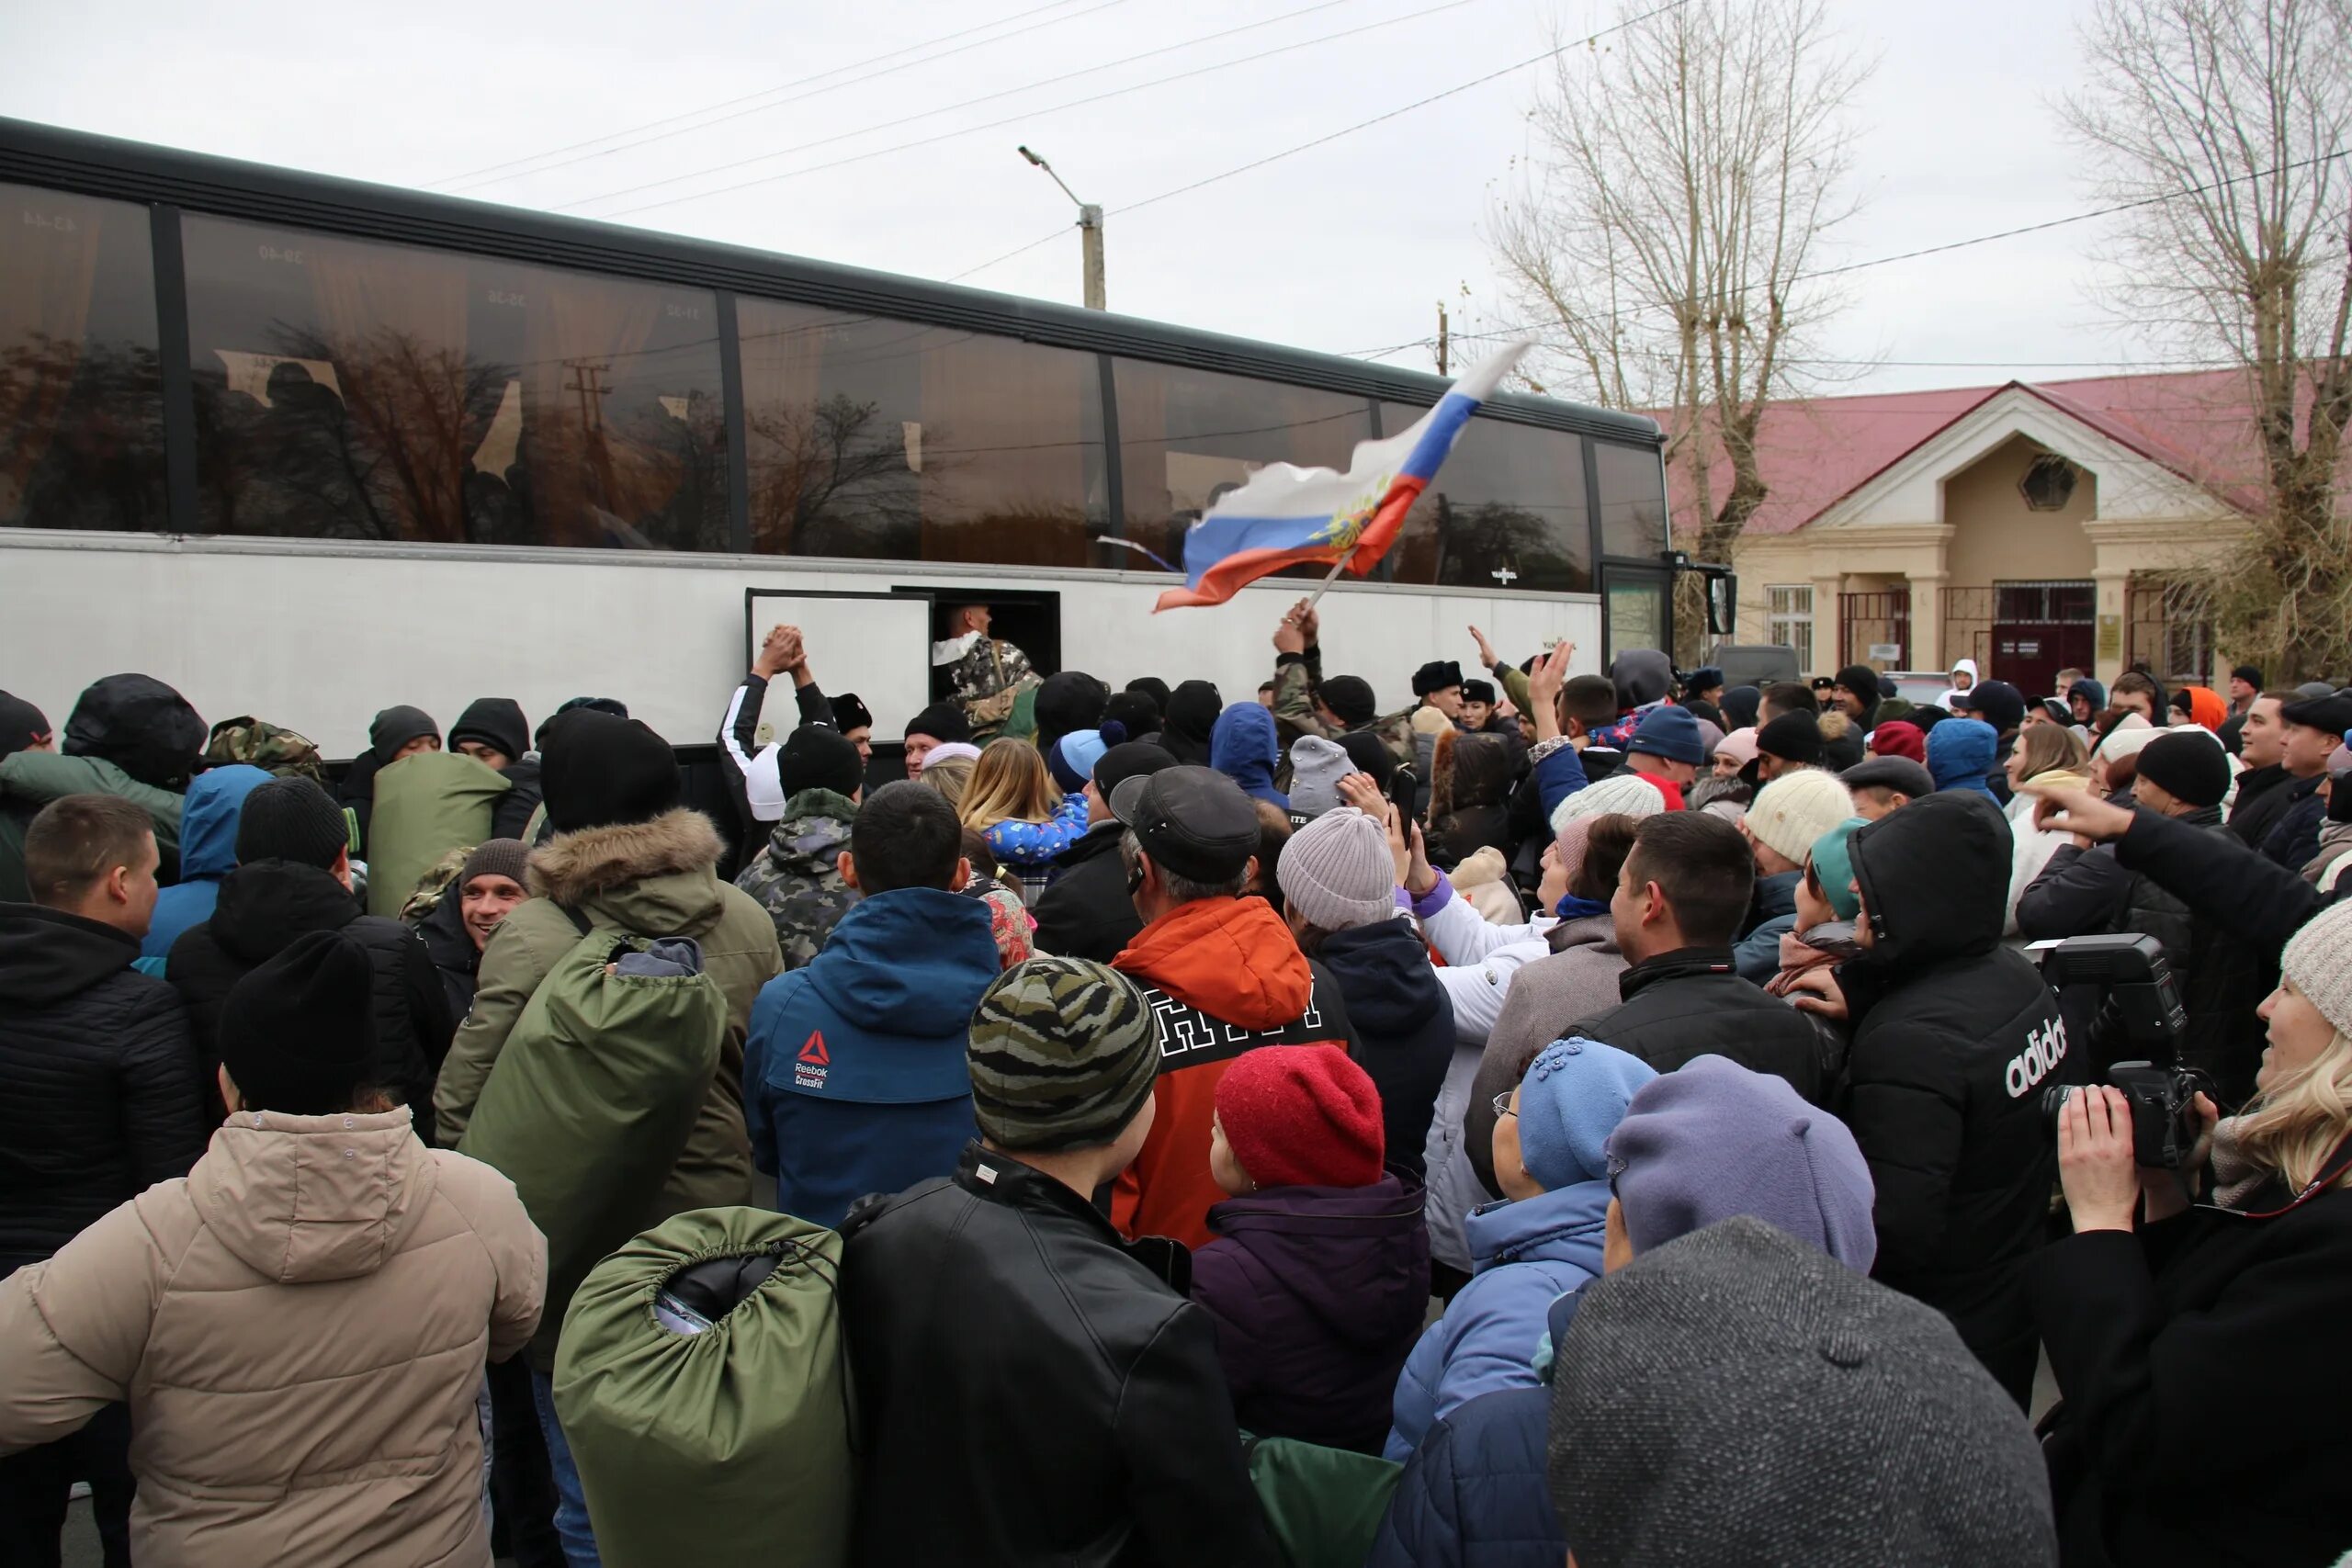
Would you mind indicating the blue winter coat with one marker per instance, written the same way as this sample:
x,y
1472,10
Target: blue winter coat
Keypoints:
x,y
1021,846
207,853
1522,1255
1473,1495
1961,753
1404,1027
854,1074
1758,956
1245,749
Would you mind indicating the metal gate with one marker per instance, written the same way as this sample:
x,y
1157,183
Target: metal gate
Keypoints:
x,y
1869,622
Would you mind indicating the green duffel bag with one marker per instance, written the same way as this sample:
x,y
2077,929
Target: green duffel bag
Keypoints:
x,y
1323,1505
426,804
702,1385
591,1099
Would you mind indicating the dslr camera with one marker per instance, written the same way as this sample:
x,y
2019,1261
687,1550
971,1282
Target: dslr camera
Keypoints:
x,y
2137,979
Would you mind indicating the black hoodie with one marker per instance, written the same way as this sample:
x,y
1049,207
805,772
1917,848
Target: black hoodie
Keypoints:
x,y
1955,1036
99,1093
1403,1026
264,906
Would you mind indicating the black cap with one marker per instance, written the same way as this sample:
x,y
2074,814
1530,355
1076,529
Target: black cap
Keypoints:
x,y
1371,753
1067,702
497,723
1350,697
1478,692
1435,676
851,713
2250,673
21,724
2333,714
1900,774
1997,703
943,722
818,756
395,726
298,1033
602,772
291,819
2189,763
1129,760
1194,822
1792,737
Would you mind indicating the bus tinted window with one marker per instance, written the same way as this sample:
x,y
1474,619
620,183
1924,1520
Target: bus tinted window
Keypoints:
x,y
353,390
81,402
875,438
1507,510
1633,501
1187,436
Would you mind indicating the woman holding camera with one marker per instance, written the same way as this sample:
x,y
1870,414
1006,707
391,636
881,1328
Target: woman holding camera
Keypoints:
x,y
2208,1414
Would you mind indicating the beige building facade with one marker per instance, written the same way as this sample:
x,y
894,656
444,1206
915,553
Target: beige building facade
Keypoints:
x,y
2017,534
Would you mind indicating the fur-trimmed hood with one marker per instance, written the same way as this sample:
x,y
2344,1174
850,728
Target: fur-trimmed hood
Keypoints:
x,y
659,876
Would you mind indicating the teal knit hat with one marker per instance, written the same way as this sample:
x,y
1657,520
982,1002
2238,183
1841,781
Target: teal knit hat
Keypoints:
x,y
1833,867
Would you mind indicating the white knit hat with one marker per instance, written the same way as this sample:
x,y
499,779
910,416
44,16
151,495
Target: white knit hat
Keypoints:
x,y
1337,871
2126,739
1619,794
2319,960
1794,809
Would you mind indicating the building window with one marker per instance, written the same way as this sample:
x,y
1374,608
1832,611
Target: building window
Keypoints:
x,y
2049,483
1788,619
1508,510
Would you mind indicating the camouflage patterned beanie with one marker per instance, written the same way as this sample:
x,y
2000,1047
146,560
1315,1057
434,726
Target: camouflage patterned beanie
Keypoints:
x,y
1063,1053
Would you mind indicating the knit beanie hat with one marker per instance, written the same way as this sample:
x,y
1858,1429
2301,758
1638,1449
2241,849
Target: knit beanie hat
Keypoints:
x,y
495,722
1153,687
494,857
1861,680
1317,766
1063,1052
291,819
1337,871
602,772
1302,1116
613,705
1739,745
2189,762
2318,959
1670,732
2126,739
1133,711
1573,1095
1072,758
1833,867
1069,701
1713,1139
947,751
1794,809
21,724
1997,703
940,721
818,756
299,1031
140,725
395,727
1792,737
1619,794
1190,710
1735,1399
1349,696
1898,737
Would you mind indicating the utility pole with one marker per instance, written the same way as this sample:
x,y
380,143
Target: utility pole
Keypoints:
x,y
1090,234
1444,342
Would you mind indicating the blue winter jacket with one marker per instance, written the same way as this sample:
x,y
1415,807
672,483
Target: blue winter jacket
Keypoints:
x,y
1245,749
207,853
1473,1495
1020,846
1757,955
854,1074
1522,1255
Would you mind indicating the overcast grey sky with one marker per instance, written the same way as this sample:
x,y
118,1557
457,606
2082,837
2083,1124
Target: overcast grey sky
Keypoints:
x,y
1344,247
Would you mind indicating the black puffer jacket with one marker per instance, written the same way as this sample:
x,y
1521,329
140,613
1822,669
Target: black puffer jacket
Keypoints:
x,y
2262,800
1042,1387
264,906
1953,1036
455,957
1693,1003
1085,911
2263,903
1403,1026
100,1097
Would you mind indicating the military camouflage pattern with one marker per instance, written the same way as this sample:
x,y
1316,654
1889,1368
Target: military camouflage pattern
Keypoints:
x,y
985,681
1294,715
795,878
272,748
1063,1052
436,881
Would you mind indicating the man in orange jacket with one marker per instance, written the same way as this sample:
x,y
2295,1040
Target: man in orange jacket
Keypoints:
x,y
1223,975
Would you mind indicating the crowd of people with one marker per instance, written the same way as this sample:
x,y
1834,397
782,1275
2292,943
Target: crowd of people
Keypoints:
x,y
1618,1119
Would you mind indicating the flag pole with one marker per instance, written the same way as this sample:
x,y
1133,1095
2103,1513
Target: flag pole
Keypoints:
x,y
1333,576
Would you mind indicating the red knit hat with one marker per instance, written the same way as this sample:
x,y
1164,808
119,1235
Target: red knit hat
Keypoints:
x,y
1301,1116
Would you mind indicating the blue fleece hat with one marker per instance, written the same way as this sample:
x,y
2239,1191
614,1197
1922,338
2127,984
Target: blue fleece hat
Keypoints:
x,y
1712,1139
1573,1095
1960,753
1071,761
1833,867
1671,732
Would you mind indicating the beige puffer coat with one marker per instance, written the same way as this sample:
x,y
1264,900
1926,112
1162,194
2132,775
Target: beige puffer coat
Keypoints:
x,y
300,1326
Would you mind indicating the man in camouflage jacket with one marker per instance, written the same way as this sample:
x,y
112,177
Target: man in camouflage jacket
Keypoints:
x,y
984,673
1307,703
796,877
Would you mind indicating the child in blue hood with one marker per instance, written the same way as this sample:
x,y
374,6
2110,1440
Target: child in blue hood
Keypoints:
x,y
1245,749
207,853
1960,753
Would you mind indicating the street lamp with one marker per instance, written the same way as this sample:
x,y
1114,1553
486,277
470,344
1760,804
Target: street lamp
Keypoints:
x,y
1089,230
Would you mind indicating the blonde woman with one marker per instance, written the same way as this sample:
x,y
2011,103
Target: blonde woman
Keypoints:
x,y
2044,754
1015,804
2201,1355
950,776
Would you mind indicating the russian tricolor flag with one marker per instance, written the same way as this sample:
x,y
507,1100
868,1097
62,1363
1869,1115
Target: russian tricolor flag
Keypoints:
x,y
1286,514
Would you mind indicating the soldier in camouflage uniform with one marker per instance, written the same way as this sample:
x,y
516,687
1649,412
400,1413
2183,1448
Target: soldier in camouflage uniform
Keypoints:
x,y
985,676
1307,703
272,748
796,877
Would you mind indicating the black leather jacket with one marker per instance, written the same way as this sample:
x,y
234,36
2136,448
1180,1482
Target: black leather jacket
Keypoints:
x,y
1033,1390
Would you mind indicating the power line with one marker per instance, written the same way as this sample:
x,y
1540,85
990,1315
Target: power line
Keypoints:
x,y
1074,103
967,103
470,175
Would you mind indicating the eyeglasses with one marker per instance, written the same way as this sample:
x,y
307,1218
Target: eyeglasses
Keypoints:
x,y
1502,1104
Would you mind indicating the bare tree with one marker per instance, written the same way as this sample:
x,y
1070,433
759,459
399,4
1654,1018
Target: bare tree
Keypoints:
x,y
2229,122
1685,180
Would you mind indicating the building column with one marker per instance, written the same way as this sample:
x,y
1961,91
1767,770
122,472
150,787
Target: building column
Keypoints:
x,y
1828,624
2111,576
1928,620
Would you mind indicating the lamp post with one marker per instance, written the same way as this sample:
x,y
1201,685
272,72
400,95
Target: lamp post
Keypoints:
x,y
1089,230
